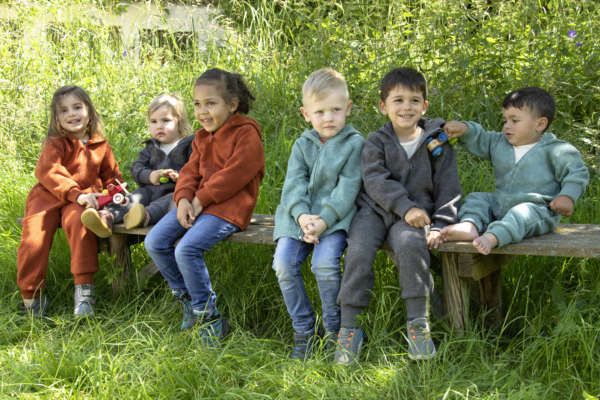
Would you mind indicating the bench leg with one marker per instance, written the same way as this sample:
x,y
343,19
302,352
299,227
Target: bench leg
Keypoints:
x,y
490,298
119,250
455,292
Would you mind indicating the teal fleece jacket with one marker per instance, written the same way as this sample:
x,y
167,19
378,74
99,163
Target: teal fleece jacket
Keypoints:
x,y
322,179
550,169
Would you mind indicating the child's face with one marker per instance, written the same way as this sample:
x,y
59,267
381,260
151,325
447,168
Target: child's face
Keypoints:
x,y
404,107
522,126
72,115
327,115
210,108
164,126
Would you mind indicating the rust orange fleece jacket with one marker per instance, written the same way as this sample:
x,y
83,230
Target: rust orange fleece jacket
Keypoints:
x,y
68,168
225,170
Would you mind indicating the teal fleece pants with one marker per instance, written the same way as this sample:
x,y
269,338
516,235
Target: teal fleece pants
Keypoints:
x,y
521,221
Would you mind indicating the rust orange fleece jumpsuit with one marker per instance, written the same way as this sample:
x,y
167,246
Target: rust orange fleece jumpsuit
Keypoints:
x,y
66,169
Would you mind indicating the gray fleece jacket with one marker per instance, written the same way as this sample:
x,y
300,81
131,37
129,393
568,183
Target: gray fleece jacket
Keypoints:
x,y
394,183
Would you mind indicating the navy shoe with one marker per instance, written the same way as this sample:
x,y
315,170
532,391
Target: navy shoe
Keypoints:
x,y
184,298
211,327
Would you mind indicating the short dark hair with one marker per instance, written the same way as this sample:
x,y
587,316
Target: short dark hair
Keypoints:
x,y
230,85
406,77
536,99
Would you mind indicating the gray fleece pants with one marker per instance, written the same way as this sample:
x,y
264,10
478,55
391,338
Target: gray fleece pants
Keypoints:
x,y
367,234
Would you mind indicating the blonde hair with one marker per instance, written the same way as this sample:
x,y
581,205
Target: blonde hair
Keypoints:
x,y
94,124
322,82
175,104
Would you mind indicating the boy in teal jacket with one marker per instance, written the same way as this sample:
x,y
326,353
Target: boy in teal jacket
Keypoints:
x,y
317,205
538,177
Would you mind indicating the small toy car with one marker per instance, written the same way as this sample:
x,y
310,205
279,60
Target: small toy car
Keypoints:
x,y
434,143
114,194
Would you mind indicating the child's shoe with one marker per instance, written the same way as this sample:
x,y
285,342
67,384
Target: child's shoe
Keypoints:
x,y
329,341
349,344
99,222
135,217
212,327
420,345
84,300
183,297
37,309
303,343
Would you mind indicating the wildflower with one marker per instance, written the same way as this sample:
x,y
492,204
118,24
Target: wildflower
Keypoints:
x,y
571,34
579,44
124,53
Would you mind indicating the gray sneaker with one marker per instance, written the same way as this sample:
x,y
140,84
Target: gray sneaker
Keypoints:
x,y
84,300
420,345
349,344
37,309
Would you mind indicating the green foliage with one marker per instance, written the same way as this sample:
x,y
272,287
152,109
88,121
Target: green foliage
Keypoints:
x,y
472,52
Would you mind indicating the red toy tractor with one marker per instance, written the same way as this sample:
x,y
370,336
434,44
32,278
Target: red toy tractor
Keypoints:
x,y
114,194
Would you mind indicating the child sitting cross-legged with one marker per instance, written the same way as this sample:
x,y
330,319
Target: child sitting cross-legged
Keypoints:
x,y
156,170
538,177
409,196
317,206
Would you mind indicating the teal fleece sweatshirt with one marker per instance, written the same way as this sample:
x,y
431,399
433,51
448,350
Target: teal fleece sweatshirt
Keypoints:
x,y
322,179
550,169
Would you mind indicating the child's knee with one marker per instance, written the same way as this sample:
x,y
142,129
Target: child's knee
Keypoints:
x,y
326,272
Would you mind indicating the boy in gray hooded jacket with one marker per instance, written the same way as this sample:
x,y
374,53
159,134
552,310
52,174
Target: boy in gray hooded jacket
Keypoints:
x,y
409,196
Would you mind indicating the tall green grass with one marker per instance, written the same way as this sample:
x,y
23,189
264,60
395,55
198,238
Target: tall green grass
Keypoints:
x,y
472,53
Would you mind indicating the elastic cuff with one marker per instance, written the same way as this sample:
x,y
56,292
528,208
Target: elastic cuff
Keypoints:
x,y
349,316
81,279
502,234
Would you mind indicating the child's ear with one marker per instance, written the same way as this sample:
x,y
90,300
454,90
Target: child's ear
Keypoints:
x,y
425,105
305,114
382,108
348,108
541,124
233,104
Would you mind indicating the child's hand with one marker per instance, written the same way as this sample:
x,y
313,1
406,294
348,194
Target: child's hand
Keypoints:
x,y
305,220
197,207
417,218
434,239
455,129
155,176
562,205
314,230
89,200
171,174
185,213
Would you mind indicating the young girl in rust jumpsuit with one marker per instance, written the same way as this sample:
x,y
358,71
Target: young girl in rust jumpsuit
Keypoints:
x,y
76,163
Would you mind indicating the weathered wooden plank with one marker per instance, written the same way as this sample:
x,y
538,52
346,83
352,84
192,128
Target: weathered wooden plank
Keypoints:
x,y
569,240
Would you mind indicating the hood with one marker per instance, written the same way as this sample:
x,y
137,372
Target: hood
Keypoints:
x,y
347,130
235,121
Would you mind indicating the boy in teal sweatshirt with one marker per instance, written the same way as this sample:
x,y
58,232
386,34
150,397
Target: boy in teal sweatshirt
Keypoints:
x,y
538,177
317,205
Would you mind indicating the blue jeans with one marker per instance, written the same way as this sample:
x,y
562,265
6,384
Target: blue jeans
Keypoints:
x,y
325,265
183,266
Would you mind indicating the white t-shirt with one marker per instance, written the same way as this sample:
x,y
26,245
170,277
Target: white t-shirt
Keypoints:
x,y
411,146
167,147
521,150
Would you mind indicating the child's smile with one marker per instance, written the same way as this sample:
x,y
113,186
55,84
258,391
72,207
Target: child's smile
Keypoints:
x,y
404,107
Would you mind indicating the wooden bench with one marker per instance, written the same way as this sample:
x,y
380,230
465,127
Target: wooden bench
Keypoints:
x,y
460,263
